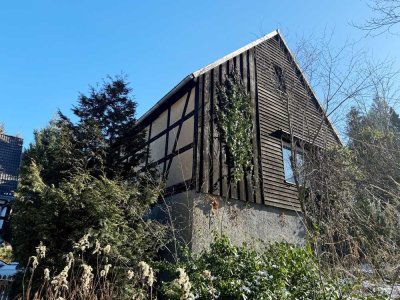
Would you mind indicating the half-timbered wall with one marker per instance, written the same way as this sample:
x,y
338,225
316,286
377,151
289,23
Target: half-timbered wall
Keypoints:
x,y
170,140
185,145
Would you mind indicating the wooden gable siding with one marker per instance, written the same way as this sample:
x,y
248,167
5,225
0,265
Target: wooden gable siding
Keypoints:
x,y
306,116
212,169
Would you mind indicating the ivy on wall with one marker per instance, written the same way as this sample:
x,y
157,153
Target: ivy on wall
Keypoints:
x,y
234,121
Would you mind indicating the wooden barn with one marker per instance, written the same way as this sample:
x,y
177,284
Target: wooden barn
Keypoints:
x,y
184,142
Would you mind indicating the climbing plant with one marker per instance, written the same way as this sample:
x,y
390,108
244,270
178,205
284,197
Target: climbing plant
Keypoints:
x,y
234,121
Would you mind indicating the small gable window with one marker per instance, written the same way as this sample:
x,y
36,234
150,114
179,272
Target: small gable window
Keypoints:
x,y
287,164
280,79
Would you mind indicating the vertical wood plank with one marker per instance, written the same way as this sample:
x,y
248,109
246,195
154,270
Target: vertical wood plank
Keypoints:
x,y
214,142
223,165
252,78
217,170
199,99
237,67
206,132
148,145
241,69
245,70
195,179
257,139
211,133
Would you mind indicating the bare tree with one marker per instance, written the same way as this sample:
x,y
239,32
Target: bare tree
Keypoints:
x,y
386,15
342,212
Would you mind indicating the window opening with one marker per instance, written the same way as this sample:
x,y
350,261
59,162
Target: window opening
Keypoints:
x,y
287,164
280,79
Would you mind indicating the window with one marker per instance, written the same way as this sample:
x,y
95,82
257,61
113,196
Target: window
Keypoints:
x,y
280,79
287,164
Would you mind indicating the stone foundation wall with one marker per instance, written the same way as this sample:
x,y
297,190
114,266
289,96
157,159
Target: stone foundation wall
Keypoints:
x,y
196,216
254,224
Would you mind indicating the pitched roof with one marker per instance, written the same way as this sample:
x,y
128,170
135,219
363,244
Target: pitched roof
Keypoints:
x,y
207,68
235,53
228,57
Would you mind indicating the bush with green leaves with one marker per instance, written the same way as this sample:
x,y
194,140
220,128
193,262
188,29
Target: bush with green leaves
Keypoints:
x,y
282,271
85,177
234,121
6,253
110,210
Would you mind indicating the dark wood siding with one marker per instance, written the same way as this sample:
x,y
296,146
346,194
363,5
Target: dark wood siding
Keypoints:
x,y
212,168
270,119
305,115
270,107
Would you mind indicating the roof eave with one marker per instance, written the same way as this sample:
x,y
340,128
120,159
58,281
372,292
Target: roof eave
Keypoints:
x,y
182,83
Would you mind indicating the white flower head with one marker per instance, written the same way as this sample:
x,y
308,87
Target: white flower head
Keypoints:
x,y
35,262
207,274
86,278
83,243
130,274
69,258
61,280
107,249
41,250
151,279
147,274
97,247
46,274
184,284
144,268
104,272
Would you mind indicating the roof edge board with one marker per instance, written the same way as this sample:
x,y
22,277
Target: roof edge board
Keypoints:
x,y
165,98
235,53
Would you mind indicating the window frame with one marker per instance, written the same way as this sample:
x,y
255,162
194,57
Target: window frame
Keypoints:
x,y
299,151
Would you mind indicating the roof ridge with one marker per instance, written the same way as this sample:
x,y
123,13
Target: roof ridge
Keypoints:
x,y
207,68
235,53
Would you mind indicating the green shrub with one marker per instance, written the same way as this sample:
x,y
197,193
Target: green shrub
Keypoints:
x,y
6,254
282,271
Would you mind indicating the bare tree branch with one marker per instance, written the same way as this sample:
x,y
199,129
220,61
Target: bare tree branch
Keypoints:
x,y
386,16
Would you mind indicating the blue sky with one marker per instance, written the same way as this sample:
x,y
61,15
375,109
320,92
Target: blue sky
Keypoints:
x,y
52,50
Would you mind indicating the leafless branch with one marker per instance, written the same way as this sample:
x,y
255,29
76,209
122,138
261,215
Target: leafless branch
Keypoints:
x,y
386,16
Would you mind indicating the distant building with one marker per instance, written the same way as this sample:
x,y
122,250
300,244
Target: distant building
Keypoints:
x,y
10,158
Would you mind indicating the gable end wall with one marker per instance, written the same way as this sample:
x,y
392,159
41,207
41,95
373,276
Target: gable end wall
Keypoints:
x,y
305,115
